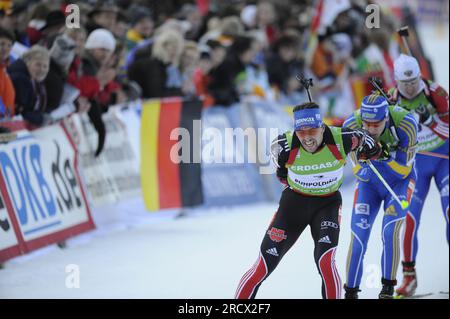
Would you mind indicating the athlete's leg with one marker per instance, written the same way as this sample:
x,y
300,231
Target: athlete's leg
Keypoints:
x,y
366,204
441,179
424,165
284,230
393,219
325,232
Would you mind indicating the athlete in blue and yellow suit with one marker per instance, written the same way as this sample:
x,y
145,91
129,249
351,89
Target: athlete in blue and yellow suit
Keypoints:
x,y
396,130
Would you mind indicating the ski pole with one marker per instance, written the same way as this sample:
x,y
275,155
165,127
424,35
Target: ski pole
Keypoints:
x,y
307,83
433,154
403,32
377,84
403,203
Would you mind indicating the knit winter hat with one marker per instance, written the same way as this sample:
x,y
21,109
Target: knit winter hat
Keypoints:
x,y
101,39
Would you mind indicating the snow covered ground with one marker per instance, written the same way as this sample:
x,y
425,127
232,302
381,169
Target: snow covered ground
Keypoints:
x,y
134,254
204,255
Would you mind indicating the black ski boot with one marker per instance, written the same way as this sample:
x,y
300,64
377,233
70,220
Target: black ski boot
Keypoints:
x,y
387,292
351,293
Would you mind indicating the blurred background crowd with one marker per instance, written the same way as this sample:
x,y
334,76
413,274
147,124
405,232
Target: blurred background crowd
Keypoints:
x,y
217,51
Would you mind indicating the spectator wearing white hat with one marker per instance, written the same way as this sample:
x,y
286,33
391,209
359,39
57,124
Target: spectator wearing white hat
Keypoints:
x,y
100,44
96,75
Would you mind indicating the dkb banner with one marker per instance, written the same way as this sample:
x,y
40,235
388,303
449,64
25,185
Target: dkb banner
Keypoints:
x,y
42,198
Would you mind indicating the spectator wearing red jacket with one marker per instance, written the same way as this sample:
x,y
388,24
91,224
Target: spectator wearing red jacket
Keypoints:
x,y
95,79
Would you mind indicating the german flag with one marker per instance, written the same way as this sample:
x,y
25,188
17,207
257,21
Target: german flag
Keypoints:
x,y
169,182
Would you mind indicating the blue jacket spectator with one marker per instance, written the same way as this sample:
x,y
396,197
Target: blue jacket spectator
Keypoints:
x,y
27,75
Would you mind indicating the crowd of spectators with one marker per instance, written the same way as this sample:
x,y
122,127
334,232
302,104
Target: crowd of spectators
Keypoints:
x,y
216,51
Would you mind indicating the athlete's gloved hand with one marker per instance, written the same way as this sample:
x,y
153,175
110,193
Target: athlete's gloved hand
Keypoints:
x,y
279,150
369,149
424,116
279,153
385,155
370,153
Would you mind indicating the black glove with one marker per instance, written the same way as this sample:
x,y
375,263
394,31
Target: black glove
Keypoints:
x,y
425,117
285,149
369,149
385,154
369,153
279,150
